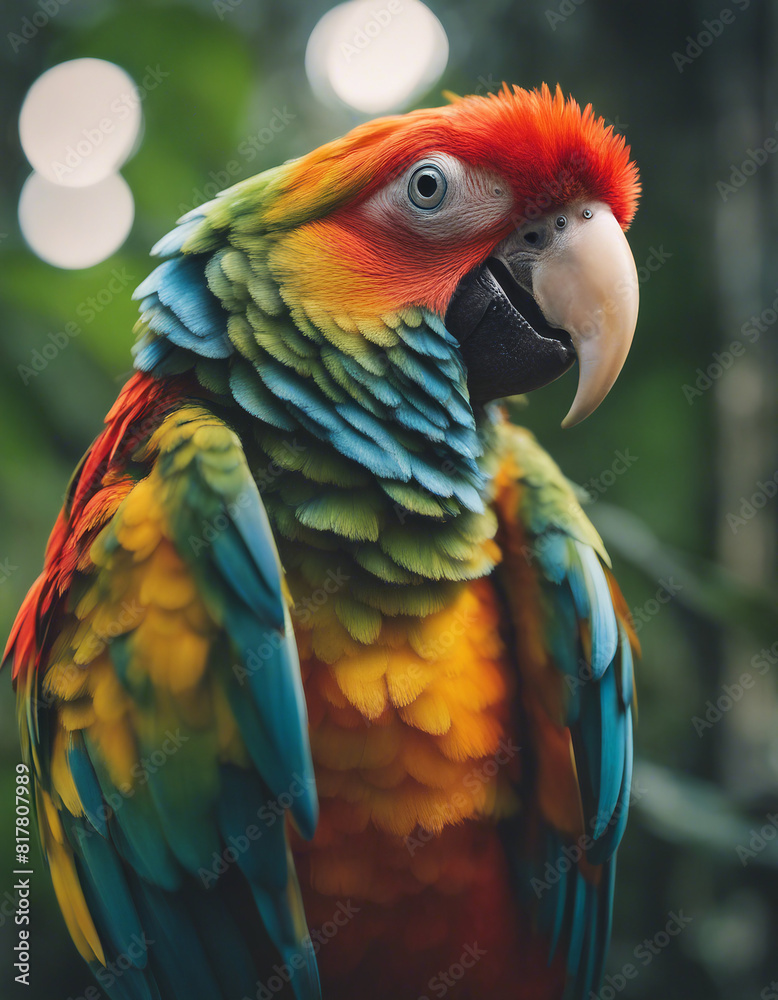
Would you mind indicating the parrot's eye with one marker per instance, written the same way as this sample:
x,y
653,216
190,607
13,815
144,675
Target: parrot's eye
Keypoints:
x,y
427,187
587,213
561,221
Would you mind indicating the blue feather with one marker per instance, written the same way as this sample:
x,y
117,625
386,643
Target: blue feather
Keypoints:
x,y
431,478
430,408
362,450
177,955
381,388
244,804
412,419
434,385
424,341
627,680
605,847
162,321
273,721
589,948
553,553
602,617
560,893
435,323
601,728
250,392
101,870
373,429
180,285
604,917
468,496
87,785
276,913
173,241
150,351
224,945
578,893
465,442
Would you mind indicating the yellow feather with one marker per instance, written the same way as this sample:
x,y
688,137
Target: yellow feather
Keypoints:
x,y
77,714
429,712
109,698
362,680
61,778
407,676
344,749
66,679
117,746
71,900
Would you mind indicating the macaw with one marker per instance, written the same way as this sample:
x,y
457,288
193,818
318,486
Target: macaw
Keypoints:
x,y
326,687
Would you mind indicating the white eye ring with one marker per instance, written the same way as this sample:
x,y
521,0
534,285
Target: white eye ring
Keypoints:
x,y
427,187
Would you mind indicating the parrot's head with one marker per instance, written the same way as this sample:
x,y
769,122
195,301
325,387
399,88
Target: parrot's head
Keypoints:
x,y
504,215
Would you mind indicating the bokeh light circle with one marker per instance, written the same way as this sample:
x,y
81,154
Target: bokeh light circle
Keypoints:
x,y
376,55
75,227
80,121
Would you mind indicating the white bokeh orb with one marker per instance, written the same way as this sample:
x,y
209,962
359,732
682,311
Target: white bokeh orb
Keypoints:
x,y
80,121
376,56
75,227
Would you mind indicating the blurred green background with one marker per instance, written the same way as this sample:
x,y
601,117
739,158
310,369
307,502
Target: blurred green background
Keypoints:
x,y
697,563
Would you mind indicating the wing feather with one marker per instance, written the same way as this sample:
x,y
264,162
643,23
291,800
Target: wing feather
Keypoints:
x,y
575,658
162,711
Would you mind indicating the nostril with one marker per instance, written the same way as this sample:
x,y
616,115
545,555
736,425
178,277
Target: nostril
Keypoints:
x,y
531,237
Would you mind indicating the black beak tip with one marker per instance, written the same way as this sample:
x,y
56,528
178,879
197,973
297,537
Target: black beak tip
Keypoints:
x,y
506,344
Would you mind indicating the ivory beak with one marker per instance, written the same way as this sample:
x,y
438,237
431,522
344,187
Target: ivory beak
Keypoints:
x,y
588,286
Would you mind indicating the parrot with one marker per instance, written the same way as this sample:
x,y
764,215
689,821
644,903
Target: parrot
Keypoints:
x,y
326,688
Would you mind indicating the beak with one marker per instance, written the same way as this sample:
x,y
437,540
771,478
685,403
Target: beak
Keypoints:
x,y
524,315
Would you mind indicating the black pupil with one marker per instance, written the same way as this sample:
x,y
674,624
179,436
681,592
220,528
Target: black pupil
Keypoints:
x,y
561,221
427,185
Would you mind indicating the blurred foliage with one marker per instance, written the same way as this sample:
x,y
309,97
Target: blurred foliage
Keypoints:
x,y
224,74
